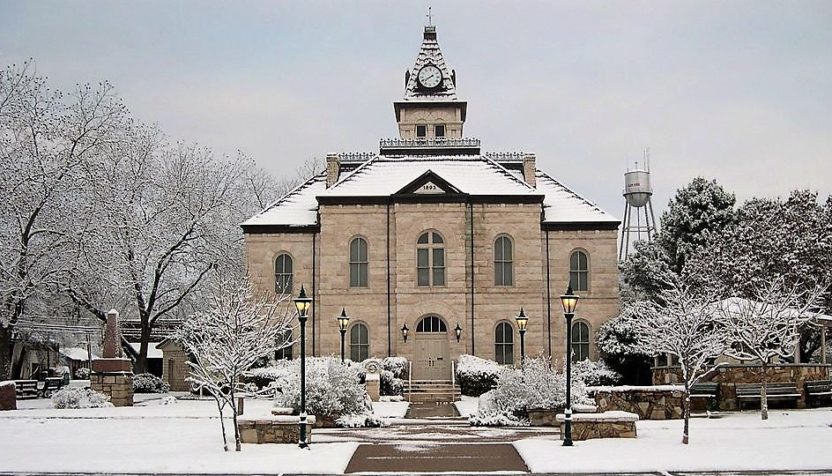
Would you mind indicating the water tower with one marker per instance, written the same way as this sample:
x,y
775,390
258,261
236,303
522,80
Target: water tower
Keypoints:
x,y
637,198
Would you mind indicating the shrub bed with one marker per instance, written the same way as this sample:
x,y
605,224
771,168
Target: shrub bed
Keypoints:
x,y
149,383
476,376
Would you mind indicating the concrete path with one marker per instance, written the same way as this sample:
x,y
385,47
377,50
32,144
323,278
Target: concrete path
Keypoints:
x,y
442,431
431,410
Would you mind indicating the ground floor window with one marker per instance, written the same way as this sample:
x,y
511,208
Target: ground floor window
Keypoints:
x,y
504,344
580,341
359,343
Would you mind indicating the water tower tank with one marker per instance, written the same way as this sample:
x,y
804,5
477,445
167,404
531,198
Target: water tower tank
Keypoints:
x,y
637,188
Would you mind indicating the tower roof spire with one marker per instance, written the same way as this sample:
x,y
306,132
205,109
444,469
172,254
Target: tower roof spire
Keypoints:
x,y
430,55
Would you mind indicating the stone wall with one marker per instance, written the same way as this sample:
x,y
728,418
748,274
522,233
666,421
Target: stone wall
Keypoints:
x,y
649,403
273,429
117,385
602,425
728,376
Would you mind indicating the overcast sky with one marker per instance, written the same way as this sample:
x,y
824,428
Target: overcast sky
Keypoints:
x,y
732,90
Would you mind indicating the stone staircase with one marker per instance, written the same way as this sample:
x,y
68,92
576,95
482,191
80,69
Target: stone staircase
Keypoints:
x,y
431,391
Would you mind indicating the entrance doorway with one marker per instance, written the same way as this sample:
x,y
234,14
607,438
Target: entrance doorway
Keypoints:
x,y
432,360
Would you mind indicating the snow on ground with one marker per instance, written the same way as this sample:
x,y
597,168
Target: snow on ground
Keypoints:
x,y
467,406
789,440
180,438
390,409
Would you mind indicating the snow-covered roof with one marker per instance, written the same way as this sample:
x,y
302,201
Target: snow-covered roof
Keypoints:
x,y
75,353
473,175
299,207
430,53
562,205
152,351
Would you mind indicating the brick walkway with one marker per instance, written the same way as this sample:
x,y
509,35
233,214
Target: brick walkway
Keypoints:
x,y
435,458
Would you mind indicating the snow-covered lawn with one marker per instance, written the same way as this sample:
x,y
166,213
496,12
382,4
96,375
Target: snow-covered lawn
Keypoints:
x,y
789,440
183,437
467,406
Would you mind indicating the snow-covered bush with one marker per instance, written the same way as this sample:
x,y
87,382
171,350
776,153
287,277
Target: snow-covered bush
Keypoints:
x,y
149,383
82,373
73,397
390,385
361,420
391,398
169,400
537,385
595,373
396,365
265,376
475,375
332,389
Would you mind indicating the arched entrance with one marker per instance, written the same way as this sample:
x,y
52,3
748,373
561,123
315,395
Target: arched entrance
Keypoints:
x,y
432,360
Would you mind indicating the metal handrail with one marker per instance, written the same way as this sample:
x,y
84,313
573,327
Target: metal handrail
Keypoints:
x,y
409,380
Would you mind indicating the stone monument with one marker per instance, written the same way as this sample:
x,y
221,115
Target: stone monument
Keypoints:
x,y
112,374
373,379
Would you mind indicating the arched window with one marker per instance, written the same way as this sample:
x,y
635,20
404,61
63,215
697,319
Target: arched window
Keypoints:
x,y
431,324
504,344
430,259
580,341
359,263
283,274
579,271
503,262
284,351
359,343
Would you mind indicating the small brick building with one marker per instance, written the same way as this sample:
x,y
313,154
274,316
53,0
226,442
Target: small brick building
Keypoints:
x,y
432,234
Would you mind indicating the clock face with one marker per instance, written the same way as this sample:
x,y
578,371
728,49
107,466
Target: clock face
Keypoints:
x,y
430,76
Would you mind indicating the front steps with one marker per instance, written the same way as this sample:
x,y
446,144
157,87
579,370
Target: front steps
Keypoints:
x,y
431,391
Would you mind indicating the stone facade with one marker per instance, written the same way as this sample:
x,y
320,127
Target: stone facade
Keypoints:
x,y
613,424
8,396
728,376
647,403
174,366
273,429
117,385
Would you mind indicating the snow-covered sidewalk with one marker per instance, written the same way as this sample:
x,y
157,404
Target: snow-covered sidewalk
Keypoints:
x,y
789,440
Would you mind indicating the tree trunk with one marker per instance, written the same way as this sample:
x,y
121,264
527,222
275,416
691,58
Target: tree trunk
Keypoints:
x,y
144,341
686,413
5,353
234,410
222,423
764,393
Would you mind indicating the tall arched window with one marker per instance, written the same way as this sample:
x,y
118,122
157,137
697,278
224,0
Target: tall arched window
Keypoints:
x,y
431,324
580,341
359,263
430,259
579,271
503,262
504,344
283,274
359,343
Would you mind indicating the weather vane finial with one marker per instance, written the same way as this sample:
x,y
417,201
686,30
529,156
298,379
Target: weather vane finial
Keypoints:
x,y
430,17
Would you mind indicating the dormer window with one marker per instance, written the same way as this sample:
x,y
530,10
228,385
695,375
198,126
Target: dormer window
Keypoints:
x,y
439,130
421,130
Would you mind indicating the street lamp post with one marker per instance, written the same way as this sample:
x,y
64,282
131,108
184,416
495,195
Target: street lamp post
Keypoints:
x,y
569,302
302,303
343,322
522,321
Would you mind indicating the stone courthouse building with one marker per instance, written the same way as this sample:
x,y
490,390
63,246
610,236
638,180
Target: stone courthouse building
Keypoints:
x,y
432,235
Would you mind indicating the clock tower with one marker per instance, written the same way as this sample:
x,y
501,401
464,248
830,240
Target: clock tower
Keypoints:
x,y
430,109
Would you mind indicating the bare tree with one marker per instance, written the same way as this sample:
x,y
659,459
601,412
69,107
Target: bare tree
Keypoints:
x,y
238,328
46,139
683,325
768,327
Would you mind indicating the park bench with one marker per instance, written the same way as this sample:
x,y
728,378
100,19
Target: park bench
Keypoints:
x,y
818,389
708,391
26,389
774,391
51,384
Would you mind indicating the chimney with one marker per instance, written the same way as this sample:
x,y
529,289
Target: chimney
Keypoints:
x,y
529,169
333,169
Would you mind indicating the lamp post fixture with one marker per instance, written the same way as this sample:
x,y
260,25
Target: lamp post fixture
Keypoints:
x,y
343,322
569,302
458,331
405,330
302,303
522,321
